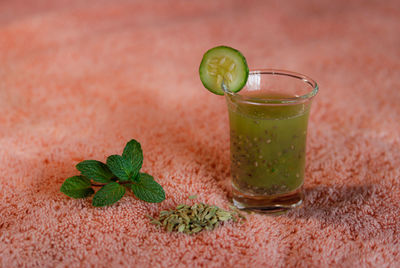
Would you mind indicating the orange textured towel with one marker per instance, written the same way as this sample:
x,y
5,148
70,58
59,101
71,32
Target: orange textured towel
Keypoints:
x,y
78,79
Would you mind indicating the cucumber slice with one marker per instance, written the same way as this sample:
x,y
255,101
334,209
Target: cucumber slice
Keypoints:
x,y
223,64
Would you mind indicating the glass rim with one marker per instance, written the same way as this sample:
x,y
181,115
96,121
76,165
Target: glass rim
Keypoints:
x,y
293,100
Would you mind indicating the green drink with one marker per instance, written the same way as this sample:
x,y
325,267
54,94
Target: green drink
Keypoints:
x,y
268,154
268,114
268,125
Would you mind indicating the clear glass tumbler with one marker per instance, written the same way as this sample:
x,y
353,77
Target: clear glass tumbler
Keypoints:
x,y
268,129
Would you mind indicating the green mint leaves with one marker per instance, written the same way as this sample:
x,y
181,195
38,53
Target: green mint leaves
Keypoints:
x,y
108,194
95,170
120,173
133,153
147,189
121,167
77,187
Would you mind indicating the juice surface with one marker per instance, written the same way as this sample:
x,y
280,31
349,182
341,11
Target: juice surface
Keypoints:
x,y
268,146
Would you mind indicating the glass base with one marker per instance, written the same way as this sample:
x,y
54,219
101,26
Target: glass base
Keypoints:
x,y
272,204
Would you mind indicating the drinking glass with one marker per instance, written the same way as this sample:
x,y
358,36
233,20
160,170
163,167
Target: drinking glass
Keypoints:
x,y
268,129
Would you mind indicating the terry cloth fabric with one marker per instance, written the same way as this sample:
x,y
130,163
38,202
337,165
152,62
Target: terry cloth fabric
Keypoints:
x,y
78,79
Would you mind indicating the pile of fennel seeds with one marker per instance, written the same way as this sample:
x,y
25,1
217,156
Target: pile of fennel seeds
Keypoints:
x,y
195,218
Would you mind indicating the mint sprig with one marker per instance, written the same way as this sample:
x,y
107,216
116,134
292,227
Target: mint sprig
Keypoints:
x,y
120,173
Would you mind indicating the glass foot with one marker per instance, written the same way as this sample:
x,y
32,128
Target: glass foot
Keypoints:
x,y
274,205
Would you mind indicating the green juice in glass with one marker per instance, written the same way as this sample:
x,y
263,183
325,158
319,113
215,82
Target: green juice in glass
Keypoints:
x,y
268,113
268,144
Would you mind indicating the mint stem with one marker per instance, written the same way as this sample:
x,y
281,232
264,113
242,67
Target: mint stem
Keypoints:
x,y
101,185
97,185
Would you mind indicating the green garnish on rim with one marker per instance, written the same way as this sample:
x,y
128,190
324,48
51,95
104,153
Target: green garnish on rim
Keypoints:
x,y
223,65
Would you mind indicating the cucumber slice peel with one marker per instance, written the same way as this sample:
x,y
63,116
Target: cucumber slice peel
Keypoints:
x,y
226,66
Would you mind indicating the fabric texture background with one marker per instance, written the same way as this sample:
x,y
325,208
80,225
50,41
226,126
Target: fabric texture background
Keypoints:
x,y
78,79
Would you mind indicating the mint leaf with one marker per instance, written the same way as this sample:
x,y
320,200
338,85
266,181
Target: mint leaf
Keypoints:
x,y
95,170
121,167
108,194
147,189
133,153
77,187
